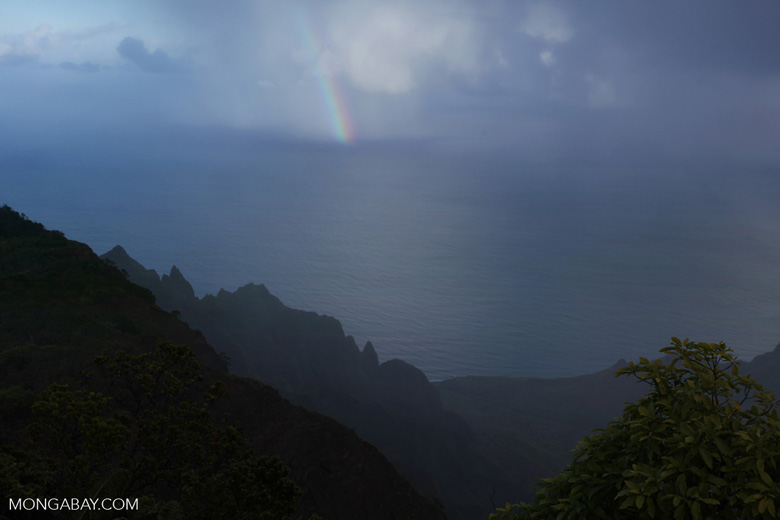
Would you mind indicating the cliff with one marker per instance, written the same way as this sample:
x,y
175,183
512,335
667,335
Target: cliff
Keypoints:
x,y
61,306
473,443
310,360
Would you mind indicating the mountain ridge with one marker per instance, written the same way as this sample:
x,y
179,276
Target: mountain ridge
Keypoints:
x,y
61,306
472,442
314,364
469,461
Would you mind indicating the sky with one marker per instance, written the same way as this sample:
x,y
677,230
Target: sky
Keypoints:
x,y
597,81
110,108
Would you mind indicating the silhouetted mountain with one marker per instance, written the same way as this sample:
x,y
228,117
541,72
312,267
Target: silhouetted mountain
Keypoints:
x,y
473,442
766,369
61,306
310,360
528,426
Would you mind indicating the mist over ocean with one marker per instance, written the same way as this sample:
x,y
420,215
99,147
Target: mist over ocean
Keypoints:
x,y
460,266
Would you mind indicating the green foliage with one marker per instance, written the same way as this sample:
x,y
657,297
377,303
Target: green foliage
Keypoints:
x,y
150,435
52,287
704,443
12,222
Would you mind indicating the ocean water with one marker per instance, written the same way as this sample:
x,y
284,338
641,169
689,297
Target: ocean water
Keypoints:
x,y
459,265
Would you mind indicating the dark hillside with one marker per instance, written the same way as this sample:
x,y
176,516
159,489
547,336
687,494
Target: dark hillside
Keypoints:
x,y
766,369
529,426
61,306
473,441
314,364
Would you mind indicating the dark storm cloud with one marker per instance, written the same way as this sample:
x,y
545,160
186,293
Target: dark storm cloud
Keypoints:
x,y
551,78
696,35
134,51
679,80
569,77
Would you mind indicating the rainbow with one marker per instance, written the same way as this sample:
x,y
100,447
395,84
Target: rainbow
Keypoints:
x,y
338,114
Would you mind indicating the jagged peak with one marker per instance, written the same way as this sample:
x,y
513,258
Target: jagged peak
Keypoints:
x,y
176,273
118,250
402,371
253,291
177,283
369,359
253,287
137,272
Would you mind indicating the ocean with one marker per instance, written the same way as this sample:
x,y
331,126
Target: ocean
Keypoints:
x,y
461,265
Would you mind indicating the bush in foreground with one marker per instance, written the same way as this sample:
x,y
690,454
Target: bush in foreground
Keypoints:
x,y
149,433
703,443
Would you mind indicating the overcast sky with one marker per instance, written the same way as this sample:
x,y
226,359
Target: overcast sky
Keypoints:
x,y
627,81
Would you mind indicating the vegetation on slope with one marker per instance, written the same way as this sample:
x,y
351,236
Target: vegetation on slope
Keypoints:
x,y
150,435
704,443
310,360
61,307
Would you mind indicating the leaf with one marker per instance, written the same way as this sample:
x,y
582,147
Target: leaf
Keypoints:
x,y
705,455
716,422
717,480
666,473
722,446
682,487
628,502
696,510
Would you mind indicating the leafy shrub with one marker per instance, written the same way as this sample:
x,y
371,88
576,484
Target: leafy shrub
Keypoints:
x,y
704,443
